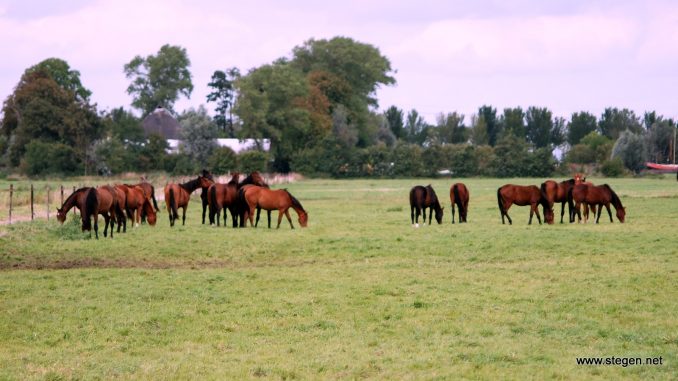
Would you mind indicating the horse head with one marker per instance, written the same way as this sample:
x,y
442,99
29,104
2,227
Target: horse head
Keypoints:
x,y
579,178
303,219
621,214
548,215
61,215
439,215
205,181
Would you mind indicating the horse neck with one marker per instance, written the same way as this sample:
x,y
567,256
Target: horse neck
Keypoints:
x,y
71,201
190,186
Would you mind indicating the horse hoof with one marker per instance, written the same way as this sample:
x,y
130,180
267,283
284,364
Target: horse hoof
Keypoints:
x,y
416,225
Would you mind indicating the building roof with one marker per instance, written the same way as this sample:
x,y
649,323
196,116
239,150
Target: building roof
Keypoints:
x,y
162,123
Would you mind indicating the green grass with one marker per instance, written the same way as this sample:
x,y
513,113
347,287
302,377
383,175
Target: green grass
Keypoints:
x,y
358,294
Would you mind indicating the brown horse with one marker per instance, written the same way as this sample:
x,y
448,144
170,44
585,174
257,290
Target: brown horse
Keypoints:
x,y
280,199
600,196
459,195
149,191
510,194
421,198
178,195
108,206
222,196
203,193
84,199
138,203
121,199
557,192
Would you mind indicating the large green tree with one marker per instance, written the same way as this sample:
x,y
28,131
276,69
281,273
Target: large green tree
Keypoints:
x,y
539,126
581,124
159,80
42,109
394,117
492,125
614,121
513,122
223,94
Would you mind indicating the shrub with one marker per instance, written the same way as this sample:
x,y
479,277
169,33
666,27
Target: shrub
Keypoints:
x,y
250,161
222,160
612,168
49,158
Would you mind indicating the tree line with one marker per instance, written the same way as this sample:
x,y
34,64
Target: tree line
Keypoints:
x,y
319,109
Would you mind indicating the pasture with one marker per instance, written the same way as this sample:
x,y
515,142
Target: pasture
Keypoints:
x,y
359,294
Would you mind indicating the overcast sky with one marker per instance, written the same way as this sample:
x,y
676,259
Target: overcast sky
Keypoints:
x,y
568,55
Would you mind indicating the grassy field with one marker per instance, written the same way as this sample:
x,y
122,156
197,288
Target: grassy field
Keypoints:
x,y
359,294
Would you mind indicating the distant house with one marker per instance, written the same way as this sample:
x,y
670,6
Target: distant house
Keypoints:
x,y
161,122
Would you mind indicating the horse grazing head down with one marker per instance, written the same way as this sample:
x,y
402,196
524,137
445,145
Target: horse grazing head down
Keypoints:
x,y
61,215
303,219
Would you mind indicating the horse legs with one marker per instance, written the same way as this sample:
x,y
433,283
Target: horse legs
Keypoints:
x,y
453,214
506,209
268,214
536,211
280,214
600,211
287,214
562,211
96,226
256,222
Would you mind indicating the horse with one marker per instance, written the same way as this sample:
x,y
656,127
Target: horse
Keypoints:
x,y
421,198
203,194
121,200
254,178
149,190
580,178
280,199
600,196
108,206
557,192
86,200
137,204
510,194
222,196
178,195
459,195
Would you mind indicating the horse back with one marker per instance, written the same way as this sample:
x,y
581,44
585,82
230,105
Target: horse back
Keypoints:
x,y
418,196
105,196
520,195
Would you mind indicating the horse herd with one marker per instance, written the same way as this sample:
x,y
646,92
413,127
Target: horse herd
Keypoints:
x,y
117,203
577,192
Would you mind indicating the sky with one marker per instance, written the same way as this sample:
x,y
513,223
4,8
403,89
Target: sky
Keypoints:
x,y
568,56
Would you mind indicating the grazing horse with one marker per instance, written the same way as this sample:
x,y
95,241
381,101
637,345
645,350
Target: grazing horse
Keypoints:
x,y
281,200
121,200
459,195
137,204
421,198
203,194
600,196
254,178
149,191
557,192
178,195
510,194
222,196
86,200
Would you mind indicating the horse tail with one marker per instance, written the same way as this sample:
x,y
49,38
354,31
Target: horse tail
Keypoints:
x,y
500,201
212,203
155,203
295,202
544,195
173,204
457,200
91,207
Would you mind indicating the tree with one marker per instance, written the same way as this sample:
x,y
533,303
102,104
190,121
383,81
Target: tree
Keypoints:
x,y
659,140
415,127
581,124
451,129
41,109
558,131
631,149
198,134
158,80
614,121
394,117
539,125
122,125
512,122
223,94
61,73
479,135
492,126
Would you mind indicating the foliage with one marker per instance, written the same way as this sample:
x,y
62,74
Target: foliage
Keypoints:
x,y
612,167
415,127
198,135
60,71
222,160
253,160
48,158
539,123
407,160
659,140
631,149
223,94
512,122
492,125
159,80
450,129
614,121
479,136
581,124
394,117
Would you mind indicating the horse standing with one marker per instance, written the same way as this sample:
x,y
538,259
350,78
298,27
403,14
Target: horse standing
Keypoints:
x,y
178,195
459,195
137,204
557,192
421,198
222,196
281,200
109,207
600,196
84,199
510,194
203,194
149,191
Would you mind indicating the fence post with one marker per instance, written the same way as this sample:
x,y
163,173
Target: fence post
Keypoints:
x,y
31,202
47,202
11,192
62,195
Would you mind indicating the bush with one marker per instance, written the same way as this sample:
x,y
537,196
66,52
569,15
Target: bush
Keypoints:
x,y
407,160
250,161
184,165
612,168
222,160
49,158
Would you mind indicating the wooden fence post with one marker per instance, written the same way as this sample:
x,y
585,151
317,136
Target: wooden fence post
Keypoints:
x,y
47,202
11,192
62,195
31,202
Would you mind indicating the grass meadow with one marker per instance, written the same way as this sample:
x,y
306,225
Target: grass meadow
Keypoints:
x,y
359,294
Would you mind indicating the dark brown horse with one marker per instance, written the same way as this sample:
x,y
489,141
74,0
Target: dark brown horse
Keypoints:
x,y
138,203
178,195
557,192
421,198
254,178
149,191
510,194
84,199
203,194
459,195
121,199
280,199
600,196
223,196
108,206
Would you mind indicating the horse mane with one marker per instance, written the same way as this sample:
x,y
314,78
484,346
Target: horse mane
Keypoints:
x,y
615,199
434,197
254,178
74,194
295,202
234,179
191,185
91,205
